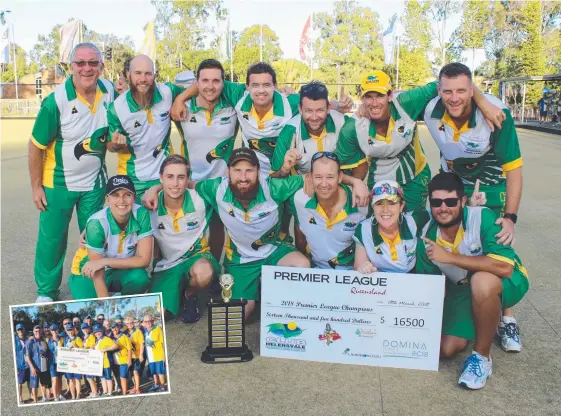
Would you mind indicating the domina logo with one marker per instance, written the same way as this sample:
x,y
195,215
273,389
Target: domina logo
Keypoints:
x,y
372,79
120,181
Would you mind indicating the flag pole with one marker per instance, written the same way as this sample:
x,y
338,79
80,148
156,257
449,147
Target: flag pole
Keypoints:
x,y
15,66
311,48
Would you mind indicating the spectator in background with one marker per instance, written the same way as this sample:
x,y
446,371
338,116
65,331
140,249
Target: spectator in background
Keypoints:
x,y
542,103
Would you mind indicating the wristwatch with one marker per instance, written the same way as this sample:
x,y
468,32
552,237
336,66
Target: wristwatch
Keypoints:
x,y
512,217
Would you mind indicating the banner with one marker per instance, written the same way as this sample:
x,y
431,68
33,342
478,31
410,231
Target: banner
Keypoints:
x,y
306,40
335,316
69,37
388,41
149,45
4,39
79,361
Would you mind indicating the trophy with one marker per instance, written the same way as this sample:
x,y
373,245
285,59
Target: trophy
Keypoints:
x,y
226,328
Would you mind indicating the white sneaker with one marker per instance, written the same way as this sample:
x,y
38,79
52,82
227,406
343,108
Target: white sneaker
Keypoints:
x,y
61,398
44,299
509,333
44,400
476,371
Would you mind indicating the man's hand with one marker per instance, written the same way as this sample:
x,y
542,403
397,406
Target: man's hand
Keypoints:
x,y
361,194
178,111
39,198
118,139
33,371
150,198
291,157
141,358
506,236
345,102
366,268
478,199
436,253
362,112
92,266
287,90
494,116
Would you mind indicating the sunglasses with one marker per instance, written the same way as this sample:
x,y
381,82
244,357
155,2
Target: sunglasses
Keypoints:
x,y
82,64
329,155
449,202
386,190
313,88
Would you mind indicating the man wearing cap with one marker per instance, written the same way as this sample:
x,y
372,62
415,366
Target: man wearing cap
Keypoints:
x,y
21,363
77,326
66,161
326,221
56,377
74,380
262,111
315,129
140,124
469,148
183,264
118,319
185,79
89,341
118,246
46,331
155,353
136,337
89,321
123,356
37,357
483,275
99,319
106,345
387,136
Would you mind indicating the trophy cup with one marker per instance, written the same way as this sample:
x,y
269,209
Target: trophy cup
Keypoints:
x,y
226,328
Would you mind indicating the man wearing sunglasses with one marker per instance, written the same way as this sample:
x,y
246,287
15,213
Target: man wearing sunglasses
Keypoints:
x,y
262,110
315,129
474,151
66,161
483,275
384,131
37,358
140,125
326,222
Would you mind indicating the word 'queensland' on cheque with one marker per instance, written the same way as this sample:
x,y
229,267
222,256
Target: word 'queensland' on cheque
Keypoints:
x,y
331,316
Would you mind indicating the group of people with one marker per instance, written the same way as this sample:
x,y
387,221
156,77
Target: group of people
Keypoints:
x,y
301,157
128,346
550,107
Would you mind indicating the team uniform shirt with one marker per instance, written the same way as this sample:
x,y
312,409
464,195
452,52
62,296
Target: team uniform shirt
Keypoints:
x,y
398,156
155,352
475,237
473,151
38,353
137,339
105,342
306,143
252,234
397,255
104,236
53,345
89,341
147,130
73,135
181,236
260,134
207,139
75,342
121,356
21,364
330,243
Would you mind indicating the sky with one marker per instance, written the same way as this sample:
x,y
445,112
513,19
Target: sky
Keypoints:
x,y
128,17
141,301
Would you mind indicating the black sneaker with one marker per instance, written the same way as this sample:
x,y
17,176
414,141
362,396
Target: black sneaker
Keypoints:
x,y
191,312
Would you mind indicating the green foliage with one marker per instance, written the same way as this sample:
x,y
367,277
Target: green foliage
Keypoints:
x,y
247,49
7,74
291,71
531,48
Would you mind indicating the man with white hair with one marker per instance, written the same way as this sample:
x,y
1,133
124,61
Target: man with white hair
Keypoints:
x,y
140,125
67,161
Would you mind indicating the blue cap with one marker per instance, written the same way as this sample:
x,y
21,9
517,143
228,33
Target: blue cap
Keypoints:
x,y
98,328
46,325
19,326
85,325
118,317
68,326
54,327
115,325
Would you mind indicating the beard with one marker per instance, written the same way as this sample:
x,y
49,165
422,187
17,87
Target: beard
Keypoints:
x,y
143,100
248,195
455,221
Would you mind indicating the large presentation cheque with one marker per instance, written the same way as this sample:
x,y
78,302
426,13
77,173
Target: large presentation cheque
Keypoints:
x,y
79,361
339,316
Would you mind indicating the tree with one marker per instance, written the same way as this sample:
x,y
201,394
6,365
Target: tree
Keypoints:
x,y
147,310
247,48
291,71
531,48
349,43
22,316
441,11
474,26
7,74
53,313
45,52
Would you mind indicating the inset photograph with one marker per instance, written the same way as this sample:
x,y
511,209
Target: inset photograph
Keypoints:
x,y
89,349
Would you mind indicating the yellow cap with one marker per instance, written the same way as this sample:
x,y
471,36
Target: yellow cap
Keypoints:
x,y
375,81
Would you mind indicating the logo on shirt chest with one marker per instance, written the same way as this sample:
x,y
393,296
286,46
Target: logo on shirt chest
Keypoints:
x,y
225,120
74,110
193,119
161,226
191,225
136,124
231,212
312,220
349,226
164,115
264,214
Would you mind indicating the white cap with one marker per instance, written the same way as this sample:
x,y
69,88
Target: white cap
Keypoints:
x,y
389,190
185,78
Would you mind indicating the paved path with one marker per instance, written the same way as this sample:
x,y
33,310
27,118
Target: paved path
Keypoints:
x,y
525,384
